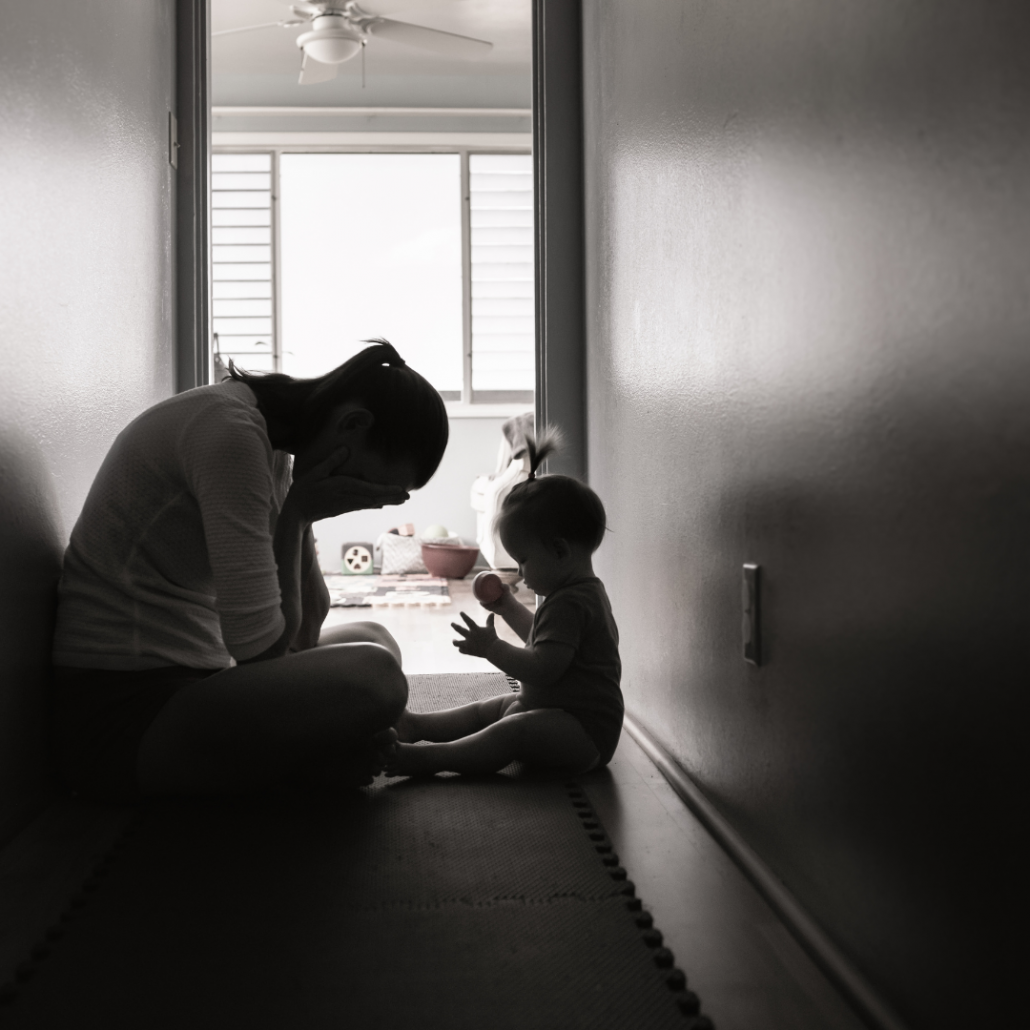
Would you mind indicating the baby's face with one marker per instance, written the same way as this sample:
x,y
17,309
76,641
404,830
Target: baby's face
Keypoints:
x,y
538,565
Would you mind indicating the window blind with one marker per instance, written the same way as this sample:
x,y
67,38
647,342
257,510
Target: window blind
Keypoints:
x,y
503,319
241,260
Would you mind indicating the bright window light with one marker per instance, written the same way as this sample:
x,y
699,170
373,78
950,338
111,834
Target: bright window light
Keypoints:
x,y
503,323
370,245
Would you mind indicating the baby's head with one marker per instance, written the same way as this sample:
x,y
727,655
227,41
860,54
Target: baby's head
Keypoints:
x,y
550,523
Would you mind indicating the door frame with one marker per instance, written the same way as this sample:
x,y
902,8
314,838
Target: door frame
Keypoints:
x,y
559,229
192,201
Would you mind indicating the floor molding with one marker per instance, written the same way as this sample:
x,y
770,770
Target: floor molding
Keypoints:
x,y
808,933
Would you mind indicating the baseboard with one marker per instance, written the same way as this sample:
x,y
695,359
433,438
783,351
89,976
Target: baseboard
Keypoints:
x,y
833,963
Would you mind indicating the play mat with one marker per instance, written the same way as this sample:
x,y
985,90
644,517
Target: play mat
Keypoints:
x,y
414,590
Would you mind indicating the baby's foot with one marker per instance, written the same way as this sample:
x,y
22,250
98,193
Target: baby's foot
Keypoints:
x,y
410,760
407,727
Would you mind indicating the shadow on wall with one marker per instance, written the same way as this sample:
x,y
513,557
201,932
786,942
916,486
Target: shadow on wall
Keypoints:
x,y
30,559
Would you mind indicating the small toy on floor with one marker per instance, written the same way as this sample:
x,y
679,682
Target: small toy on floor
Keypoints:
x,y
567,714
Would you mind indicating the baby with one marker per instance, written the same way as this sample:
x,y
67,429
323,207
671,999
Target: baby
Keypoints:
x,y
567,714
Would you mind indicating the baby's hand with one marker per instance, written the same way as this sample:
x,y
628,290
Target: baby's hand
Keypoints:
x,y
475,639
496,606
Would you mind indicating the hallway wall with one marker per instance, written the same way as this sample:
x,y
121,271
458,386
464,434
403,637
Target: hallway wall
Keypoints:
x,y
86,300
808,348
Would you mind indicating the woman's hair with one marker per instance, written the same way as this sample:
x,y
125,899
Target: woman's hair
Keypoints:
x,y
553,506
410,420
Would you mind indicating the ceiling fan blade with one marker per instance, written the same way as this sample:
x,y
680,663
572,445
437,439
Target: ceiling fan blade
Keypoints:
x,y
446,44
312,71
305,8
264,25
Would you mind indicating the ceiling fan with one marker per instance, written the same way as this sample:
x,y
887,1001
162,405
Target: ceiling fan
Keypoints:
x,y
339,30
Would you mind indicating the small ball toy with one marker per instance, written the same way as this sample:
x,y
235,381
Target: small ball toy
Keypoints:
x,y
487,587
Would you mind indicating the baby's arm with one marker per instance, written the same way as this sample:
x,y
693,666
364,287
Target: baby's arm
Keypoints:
x,y
542,664
514,613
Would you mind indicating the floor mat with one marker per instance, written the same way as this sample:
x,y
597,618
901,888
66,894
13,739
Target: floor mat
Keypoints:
x,y
450,902
413,591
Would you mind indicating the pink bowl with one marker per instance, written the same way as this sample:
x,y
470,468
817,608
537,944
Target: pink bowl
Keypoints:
x,y
449,560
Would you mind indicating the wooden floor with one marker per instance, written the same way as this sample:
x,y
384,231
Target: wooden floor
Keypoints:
x,y
425,634
739,958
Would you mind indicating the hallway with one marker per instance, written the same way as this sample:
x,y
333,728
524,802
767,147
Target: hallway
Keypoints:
x,y
780,266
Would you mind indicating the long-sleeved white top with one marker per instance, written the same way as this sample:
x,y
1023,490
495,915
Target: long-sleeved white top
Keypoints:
x,y
171,560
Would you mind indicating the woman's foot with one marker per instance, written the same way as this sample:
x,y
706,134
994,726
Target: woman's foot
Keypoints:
x,y
384,743
360,765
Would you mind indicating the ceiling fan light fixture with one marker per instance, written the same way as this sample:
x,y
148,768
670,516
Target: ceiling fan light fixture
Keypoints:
x,y
332,41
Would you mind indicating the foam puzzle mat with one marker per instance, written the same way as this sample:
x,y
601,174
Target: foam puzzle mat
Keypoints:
x,y
457,903
416,590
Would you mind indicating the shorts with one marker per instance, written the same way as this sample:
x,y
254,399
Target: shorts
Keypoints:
x,y
99,717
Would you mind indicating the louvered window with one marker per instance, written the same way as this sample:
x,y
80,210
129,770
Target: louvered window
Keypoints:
x,y
243,296
503,321
311,253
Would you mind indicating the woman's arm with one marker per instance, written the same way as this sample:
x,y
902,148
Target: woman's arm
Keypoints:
x,y
288,547
314,596
318,494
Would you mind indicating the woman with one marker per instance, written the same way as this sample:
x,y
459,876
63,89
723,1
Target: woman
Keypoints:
x,y
194,549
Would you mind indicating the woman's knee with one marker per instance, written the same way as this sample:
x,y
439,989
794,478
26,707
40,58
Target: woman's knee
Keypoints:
x,y
378,673
376,633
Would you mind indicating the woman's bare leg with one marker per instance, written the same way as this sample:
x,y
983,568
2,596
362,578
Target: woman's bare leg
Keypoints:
x,y
452,723
360,633
256,725
546,738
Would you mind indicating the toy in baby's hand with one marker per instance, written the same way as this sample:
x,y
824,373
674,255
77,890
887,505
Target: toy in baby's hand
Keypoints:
x,y
487,587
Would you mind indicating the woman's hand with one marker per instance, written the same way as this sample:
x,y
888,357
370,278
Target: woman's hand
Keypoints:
x,y
476,639
320,493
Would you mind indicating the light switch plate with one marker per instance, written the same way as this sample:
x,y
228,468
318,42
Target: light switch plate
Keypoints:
x,y
173,140
750,623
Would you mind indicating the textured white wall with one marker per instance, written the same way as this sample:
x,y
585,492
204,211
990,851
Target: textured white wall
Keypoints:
x,y
808,231
86,301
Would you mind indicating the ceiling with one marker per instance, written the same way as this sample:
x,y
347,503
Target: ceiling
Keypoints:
x,y
260,68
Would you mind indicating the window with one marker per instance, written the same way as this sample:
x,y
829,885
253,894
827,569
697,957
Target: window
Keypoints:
x,y
503,319
313,253
371,246
242,294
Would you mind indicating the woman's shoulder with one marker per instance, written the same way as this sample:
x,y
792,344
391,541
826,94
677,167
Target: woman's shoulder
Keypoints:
x,y
228,396
228,399
210,424
230,404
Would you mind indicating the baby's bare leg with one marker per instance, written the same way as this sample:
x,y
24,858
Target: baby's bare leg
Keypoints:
x,y
452,723
547,738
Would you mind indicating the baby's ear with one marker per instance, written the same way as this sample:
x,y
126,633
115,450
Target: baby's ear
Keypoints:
x,y
561,547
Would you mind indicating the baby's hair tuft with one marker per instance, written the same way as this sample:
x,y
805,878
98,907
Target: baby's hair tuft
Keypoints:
x,y
553,506
540,448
